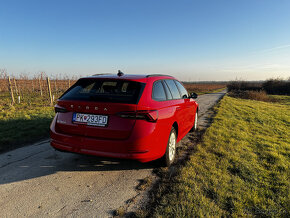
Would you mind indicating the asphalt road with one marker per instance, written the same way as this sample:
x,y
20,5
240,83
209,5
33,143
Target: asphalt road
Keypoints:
x,y
37,181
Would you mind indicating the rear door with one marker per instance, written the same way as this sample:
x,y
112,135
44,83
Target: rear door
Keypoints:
x,y
189,108
92,108
178,104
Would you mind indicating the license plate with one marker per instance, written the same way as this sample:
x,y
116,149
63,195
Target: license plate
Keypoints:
x,y
90,119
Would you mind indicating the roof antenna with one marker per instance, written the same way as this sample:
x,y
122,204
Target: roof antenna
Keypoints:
x,y
120,73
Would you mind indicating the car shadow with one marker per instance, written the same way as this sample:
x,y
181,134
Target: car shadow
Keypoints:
x,y
50,161
82,162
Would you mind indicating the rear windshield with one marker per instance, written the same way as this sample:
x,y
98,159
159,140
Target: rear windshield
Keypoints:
x,y
100,90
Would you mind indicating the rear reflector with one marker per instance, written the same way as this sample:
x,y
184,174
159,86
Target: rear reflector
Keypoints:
x,y
149,115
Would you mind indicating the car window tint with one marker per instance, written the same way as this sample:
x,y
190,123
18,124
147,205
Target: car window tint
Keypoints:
x,y
158,92
173,89
183,91
168,93
115,91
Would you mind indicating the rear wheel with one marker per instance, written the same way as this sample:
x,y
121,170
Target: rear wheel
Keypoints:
x,y
169,155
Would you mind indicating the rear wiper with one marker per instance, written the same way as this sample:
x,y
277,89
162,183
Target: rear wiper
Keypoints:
x,y
96,97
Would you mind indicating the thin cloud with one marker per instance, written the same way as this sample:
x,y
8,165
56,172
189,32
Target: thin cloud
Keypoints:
x,y
275,48
274,67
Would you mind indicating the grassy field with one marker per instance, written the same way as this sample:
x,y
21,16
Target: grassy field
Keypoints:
x,y
23,123
241,168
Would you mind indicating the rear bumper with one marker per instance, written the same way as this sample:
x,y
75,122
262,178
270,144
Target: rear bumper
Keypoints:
x,y
141,146
142,156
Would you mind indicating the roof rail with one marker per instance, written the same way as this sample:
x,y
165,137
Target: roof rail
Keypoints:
x,y
152,75
101,74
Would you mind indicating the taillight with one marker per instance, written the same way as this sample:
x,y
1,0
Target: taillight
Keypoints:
x,y
149,115
60,109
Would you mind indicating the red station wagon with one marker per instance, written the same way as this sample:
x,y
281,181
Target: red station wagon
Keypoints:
x,y
138,117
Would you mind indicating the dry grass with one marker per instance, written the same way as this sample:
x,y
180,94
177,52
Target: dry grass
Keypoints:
x,y
253,95
144,183
120,212
203,88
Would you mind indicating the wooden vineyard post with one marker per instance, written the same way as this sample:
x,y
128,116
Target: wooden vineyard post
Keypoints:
x,y
55,87
32,85
11,90
16,90
40,87
49,91
69,83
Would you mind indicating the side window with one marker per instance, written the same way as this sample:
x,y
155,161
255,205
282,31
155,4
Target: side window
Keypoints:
x,y
173,89
168,93
158,92
184,93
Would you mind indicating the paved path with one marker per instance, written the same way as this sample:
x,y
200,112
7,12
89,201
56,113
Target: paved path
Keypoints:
x,y
36,181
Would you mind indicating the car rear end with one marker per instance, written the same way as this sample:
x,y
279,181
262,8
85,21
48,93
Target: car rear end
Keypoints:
x,y
101,116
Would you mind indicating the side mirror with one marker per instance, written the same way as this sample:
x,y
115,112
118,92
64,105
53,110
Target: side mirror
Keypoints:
x,y
184,96
193,95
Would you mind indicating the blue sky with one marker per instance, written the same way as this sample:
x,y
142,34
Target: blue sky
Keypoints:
x,y
190,39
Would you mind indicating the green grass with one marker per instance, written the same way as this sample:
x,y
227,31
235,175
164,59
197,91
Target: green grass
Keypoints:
x,y
23,123
240,169
284,99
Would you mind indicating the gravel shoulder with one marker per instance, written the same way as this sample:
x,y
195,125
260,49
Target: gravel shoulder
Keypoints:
x,y
38,181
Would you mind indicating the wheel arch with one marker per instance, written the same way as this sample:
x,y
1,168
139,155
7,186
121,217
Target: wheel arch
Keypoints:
x,y
175,126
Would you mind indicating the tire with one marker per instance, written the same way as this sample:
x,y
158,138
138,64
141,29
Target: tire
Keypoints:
x,y
169,156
